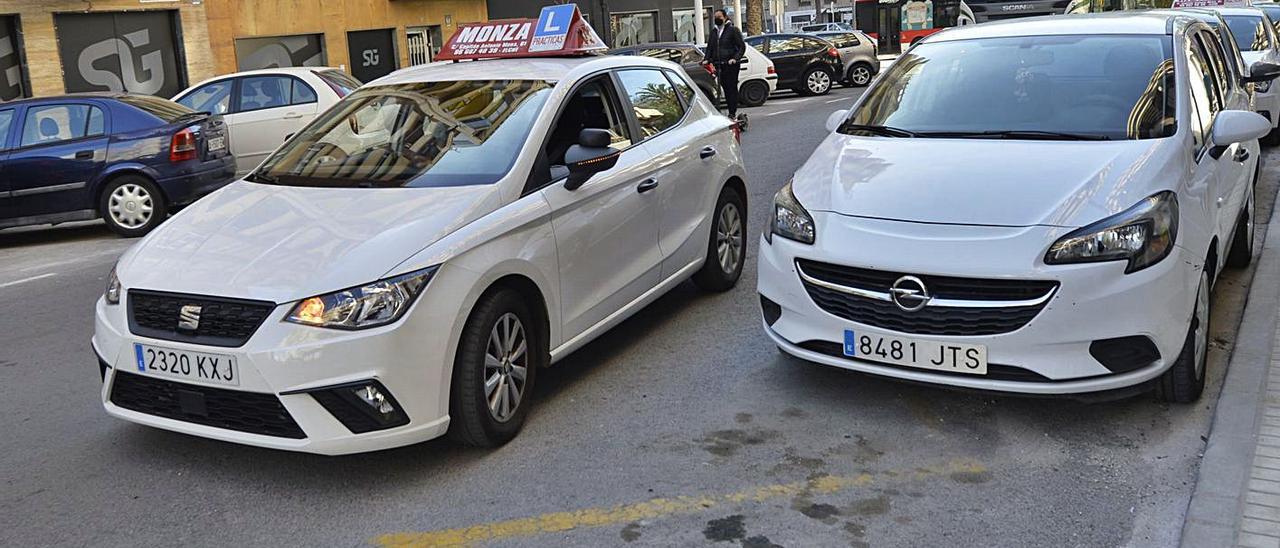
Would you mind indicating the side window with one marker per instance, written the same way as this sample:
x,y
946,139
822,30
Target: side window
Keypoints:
x,y
214,97
1219,62
682,87
6,121
786,44
666,54
593,105
653,100
809,44
55,123
302,93
259,92
1201,91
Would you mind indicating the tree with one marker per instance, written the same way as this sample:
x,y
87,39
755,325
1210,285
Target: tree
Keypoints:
x,y
755,17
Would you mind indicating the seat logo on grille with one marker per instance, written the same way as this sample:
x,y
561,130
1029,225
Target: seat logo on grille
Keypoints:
x,y
909,293
189,317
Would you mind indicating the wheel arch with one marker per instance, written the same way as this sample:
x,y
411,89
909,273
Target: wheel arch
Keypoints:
x,y
533,296
116,172
1211,260
736,183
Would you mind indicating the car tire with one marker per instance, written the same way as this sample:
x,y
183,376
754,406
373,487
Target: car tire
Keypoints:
x,y
132,205
753,93
1241,253
1184,382
860,75
815,81
727,245
489,354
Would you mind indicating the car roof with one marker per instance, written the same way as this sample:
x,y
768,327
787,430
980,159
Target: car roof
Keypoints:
x,y
66,96
657,45
1139,22
1235,11
525,68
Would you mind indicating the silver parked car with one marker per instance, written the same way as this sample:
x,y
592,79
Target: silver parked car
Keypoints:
x,y
858,55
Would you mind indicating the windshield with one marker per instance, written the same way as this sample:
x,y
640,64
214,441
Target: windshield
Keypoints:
x,y
163,109
1043,87
1250,32
342,83
413,135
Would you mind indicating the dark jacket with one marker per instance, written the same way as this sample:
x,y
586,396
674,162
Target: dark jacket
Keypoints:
x,y
728,46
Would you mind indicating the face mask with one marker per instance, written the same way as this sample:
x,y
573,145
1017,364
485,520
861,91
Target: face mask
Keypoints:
x,y
719,22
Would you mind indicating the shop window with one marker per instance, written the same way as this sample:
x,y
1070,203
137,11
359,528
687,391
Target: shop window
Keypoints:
x,y
683,20
13,68
136,52
634,28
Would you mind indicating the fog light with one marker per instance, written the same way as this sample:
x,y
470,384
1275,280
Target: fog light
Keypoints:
x,y
362,406
374,398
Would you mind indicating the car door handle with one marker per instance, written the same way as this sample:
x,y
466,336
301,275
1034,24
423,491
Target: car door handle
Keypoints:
x,y
707,152
1241,155
647,185
84,155
292,115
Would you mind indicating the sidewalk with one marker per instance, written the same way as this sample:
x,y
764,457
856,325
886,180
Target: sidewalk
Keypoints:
x,y
1236,501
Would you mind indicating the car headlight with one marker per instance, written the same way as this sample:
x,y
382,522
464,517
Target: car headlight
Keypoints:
x,y
789,219
378,303
1143,235
112,294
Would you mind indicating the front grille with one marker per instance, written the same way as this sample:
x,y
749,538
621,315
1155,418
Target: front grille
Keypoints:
x,y
222,322
995,372
217,407
930,320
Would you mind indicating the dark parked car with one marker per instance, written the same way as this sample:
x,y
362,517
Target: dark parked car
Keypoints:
x,y
129,159
805,63
686,55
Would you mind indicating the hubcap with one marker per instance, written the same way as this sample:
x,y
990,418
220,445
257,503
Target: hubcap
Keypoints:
x,y
819,81
506,366
861,75
729,238
130,206
1202,324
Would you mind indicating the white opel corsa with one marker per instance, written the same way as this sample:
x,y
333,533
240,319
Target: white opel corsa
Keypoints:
x,y
405,264
1039,207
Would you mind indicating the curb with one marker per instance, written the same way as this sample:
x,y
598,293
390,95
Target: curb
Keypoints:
x,y
1219,496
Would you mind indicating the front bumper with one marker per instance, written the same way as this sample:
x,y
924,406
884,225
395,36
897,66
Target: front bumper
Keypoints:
x,y
411,359
1093,302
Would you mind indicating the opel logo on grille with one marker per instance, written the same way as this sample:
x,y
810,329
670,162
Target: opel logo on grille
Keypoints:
x,y
909,293
189,317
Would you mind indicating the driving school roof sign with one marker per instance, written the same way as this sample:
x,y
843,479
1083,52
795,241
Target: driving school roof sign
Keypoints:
x,y
558,30
1210,3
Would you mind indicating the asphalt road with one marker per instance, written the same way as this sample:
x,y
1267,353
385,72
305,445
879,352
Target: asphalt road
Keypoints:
x,y
684,426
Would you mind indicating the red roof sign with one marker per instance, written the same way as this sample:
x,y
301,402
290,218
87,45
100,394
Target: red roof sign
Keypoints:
x,y
558,30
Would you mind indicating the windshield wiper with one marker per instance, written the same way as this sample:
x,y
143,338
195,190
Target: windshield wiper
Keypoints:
x,y
884,131
1020,134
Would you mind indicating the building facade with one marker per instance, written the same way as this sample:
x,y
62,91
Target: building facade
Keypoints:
x,y
624,22
54,46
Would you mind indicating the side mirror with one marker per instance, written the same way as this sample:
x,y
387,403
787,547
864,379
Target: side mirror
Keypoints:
x,y
836,118
590,156
1262,71
1235,126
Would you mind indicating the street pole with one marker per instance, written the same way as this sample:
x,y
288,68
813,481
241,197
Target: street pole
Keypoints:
x,y
699,23
737,13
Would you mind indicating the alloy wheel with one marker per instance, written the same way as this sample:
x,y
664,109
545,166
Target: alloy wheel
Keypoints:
x,y
1201,320
506,367
819,82
729,239
860,75
131,205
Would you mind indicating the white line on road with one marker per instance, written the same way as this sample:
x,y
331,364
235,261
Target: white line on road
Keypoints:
x,y
837,100
25,280
780,112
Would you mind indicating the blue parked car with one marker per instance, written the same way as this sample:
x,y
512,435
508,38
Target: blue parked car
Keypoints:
x,y
130,159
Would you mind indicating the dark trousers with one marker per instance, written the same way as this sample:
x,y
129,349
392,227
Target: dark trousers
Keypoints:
x,y
728,75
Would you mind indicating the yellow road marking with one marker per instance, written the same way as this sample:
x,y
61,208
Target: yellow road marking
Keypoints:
x,y
652,508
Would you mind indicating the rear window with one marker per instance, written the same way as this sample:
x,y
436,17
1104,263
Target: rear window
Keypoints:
x,y
1250,32
341,82
163,109
846,40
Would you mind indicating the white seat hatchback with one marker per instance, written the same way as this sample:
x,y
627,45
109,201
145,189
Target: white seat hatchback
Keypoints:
x,y
262,108
405,264
1038,206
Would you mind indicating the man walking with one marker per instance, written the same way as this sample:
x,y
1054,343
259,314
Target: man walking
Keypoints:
x,y
724,49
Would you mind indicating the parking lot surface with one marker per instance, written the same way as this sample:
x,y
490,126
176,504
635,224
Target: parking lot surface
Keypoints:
x,y
683,426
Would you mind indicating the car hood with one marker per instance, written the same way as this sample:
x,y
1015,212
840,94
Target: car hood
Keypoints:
x,y
981,181
281,243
